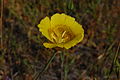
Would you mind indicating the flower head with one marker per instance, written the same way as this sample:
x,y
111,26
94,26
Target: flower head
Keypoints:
x,y
62,30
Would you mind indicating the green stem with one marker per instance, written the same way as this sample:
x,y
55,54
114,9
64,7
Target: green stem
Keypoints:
x,y
50,60
62,64
46,66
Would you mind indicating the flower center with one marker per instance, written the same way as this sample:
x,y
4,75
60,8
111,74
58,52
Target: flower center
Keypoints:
x,y
61,34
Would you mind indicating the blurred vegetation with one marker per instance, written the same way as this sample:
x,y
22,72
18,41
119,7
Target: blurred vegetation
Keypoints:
x,y
97,57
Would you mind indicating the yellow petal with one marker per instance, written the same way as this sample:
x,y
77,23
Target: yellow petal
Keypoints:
x,y
69,21
75,41
49,45
77,28
73,25
57,19
44,26
60,45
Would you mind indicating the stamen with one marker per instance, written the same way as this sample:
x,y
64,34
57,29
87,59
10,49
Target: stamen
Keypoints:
x,y
54,37
61,34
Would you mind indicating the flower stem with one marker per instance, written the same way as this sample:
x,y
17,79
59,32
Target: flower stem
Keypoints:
x,y
45,67
62,64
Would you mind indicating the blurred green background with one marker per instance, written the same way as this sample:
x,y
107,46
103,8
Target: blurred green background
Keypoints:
x,y
97,57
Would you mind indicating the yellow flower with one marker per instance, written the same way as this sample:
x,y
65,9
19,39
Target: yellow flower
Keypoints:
x,y
62,30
